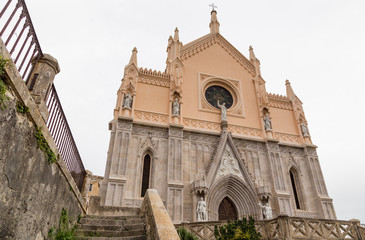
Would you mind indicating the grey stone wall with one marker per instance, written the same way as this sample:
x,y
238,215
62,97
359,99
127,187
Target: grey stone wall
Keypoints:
x,y
32,192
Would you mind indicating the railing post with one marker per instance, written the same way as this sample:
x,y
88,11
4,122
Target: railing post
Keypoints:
x,y
283,221
41,80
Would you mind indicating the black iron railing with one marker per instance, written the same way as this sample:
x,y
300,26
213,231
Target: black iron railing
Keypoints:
x,y
58,126
18,34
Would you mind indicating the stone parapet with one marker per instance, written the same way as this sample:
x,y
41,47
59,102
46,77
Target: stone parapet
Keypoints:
x,y
158,223
288,228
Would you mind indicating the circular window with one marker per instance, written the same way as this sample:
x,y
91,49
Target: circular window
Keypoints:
x,y
215,93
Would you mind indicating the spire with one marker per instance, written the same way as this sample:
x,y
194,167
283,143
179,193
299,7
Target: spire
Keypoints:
x,y
289,91
176,36
252,54
133,57
214,24
255,61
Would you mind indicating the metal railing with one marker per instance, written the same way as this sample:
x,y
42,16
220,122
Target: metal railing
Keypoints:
x,y
19,36
17,31
58,126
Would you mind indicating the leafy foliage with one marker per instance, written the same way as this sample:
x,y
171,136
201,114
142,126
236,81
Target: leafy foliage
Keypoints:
x,y
185,234
43,145
64,231
3,98
237,230
21,108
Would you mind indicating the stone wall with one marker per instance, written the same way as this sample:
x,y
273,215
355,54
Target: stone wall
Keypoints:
x,y
32,191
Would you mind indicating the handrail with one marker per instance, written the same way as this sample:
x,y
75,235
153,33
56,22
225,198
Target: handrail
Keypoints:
x,y
20,39
21,22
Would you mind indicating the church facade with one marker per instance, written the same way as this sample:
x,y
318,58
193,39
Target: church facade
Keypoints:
x,y
205,133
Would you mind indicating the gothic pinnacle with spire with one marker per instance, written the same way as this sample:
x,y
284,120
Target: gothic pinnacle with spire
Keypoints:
x,y
255,61
214,24
133,59
176,35
289,90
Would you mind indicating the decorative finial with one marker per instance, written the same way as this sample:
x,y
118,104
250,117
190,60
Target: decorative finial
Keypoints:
x,y
213,6
176,35
134,57
214,24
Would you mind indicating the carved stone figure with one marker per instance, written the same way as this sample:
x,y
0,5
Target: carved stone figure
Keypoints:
x,y
201,210
127,103
267,122
304,130
266,211
176,108
223,110
229,165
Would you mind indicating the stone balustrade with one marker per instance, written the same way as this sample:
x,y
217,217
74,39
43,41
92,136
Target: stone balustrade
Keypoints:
x,y
158,223
289,228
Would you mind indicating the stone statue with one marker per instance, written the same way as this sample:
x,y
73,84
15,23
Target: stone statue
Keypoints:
x,y
223,111
127,103
176,108
266,211
267,122
304,130
201,210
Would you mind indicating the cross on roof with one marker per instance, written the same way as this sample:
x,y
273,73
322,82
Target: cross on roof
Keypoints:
x,y
212,5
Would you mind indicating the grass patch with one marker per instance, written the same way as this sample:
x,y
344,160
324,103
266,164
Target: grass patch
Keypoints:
x,y
20,108
3,98
43,145
64,231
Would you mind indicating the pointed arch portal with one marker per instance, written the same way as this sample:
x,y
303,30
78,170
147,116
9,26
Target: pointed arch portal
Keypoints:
x,y
230,192
227,210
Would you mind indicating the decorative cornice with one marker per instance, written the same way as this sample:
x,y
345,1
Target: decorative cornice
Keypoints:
x,y
287,137
161,82
279,101
218,39
161,119
151,72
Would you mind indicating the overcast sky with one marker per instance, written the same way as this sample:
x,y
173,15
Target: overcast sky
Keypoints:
x,y
317,44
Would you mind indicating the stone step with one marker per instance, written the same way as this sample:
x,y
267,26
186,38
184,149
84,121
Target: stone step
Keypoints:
x,y
107,221
129,217
141,237
109,233
112,227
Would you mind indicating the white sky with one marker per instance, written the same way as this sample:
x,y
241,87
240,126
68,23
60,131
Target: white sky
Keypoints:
x,y
317,44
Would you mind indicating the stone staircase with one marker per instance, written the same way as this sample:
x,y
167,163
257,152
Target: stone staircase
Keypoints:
x,y
113,228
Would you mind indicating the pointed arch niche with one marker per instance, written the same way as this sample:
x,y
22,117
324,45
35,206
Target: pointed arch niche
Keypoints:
x,y
240,196
227,210
296,188
146,172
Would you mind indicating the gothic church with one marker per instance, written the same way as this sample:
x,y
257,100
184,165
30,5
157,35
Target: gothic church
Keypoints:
x,y
207,130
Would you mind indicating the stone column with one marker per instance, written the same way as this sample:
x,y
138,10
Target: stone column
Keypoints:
x,y
41,80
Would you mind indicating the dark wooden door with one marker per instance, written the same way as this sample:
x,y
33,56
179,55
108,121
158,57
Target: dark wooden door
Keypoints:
x,y
227,210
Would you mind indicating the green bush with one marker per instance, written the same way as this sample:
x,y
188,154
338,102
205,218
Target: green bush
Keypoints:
x,y
64,231
3,98
21,108
185,234
237,230
43,145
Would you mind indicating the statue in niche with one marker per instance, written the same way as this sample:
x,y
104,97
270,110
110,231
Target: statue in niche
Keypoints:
x,y
127,102
201,210
223,111
176,108
267,122
266,211
304,129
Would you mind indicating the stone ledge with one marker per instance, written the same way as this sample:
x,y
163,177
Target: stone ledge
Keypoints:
x,y
159,225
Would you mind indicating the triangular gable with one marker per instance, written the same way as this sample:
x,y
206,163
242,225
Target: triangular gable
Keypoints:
x,y
200,44
227,161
